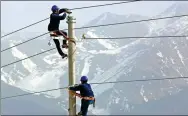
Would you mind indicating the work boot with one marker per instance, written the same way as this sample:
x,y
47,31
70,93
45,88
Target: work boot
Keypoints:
x,y
80,113
64,46
64,55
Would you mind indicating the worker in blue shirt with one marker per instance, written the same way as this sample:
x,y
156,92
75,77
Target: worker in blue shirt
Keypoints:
x,y
85,91
53,26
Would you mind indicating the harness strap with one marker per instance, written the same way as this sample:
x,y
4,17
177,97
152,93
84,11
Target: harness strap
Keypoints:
x,y
86,98
67,38
53,33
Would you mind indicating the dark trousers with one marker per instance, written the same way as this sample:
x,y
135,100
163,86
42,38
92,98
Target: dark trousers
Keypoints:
x,y
84,107
57,42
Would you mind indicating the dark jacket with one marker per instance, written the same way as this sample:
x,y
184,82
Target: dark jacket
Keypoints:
x,y
55,20
85,90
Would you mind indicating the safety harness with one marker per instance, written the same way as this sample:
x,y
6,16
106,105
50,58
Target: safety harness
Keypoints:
x,y
53,34
85,98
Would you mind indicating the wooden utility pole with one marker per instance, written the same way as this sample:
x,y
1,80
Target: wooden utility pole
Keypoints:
x,y
71,63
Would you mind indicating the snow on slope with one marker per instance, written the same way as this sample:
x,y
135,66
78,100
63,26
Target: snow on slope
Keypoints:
x,y
28,64
158,26
112,73
6,77
38,80
105,43
42,81
101,19
116,50
49,59
142,93
87,64
154,26
99,111
180,56
80,46
55,61
160,54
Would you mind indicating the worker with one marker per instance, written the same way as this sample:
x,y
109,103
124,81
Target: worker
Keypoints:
x,y
85,91
54,27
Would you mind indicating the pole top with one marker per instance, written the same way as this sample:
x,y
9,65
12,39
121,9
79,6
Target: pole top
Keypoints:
x,y
71,19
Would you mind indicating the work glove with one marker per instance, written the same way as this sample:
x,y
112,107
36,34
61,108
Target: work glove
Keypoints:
x,y
67,11
76,85
73,86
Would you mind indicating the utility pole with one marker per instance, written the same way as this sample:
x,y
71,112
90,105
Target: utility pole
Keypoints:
x,y
71,63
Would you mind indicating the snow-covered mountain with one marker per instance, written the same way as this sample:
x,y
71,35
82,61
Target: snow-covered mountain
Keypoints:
x,y
31,105
129,59
137,29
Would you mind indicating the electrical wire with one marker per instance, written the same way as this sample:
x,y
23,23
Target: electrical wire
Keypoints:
x,y
142,37
27,57
136,21
70,9
33,93
129,81
94,38
25,42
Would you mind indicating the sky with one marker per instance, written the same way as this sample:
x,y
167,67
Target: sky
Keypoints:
x,y
17,14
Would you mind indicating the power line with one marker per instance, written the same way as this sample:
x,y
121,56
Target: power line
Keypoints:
x,y
33,93
105,5
70,9
24,27
27,57
129,81
136,21
143,80
24,42
141,37
117,72
94,38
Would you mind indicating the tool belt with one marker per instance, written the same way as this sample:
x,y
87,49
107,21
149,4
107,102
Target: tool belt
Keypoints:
x,y
85,98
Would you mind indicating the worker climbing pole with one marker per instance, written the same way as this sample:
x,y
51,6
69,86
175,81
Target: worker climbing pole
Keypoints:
x,y
55,32
57,35
86,95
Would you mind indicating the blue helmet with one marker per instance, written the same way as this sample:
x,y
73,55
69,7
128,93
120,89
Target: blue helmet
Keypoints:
x,y
54,8
84,78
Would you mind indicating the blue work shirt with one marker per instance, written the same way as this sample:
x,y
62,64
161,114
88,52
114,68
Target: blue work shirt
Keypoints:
x,y
85,90
55,20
